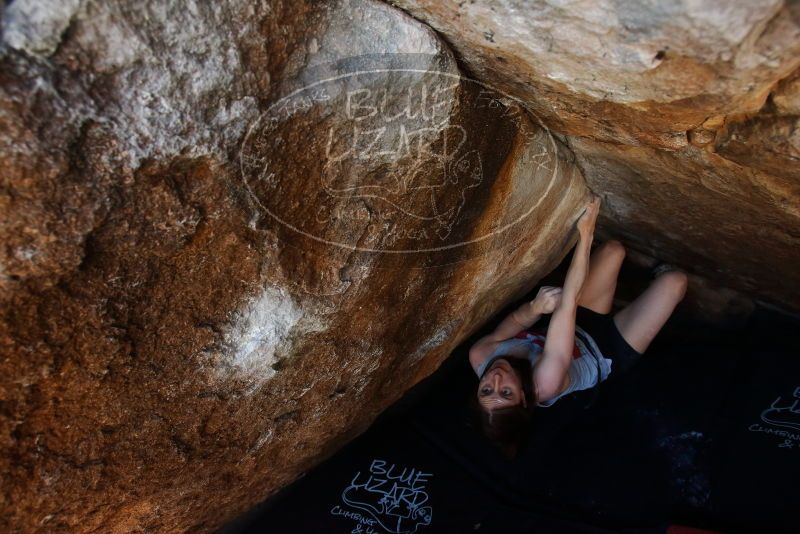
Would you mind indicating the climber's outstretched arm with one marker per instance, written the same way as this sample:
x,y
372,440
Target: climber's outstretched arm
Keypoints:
x,y
551,371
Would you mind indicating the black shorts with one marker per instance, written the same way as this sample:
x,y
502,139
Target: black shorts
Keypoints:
x,y
605,333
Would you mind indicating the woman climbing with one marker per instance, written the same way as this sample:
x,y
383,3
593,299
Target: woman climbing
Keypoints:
x,y
520,368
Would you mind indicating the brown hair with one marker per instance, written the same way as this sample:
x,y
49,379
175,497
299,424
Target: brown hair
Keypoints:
x,y
507,428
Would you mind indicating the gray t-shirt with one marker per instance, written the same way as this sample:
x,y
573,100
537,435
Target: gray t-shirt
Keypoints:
x,y
582,371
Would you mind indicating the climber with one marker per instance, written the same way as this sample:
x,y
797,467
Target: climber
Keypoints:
x,y
520,367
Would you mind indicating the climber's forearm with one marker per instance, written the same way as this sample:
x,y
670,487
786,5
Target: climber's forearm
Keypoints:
x,y
561,331
526,315
520,319
578,269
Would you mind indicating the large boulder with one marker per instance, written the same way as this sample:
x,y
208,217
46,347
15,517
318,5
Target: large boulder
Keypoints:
x,y
682,115
229,244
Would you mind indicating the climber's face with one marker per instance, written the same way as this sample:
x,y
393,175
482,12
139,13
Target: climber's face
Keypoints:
x,y
500,387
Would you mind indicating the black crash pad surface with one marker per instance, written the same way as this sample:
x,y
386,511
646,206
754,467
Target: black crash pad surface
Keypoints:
x,y
704,431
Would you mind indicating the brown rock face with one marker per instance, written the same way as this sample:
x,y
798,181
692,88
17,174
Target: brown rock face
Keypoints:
x,y
684,117
224,254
